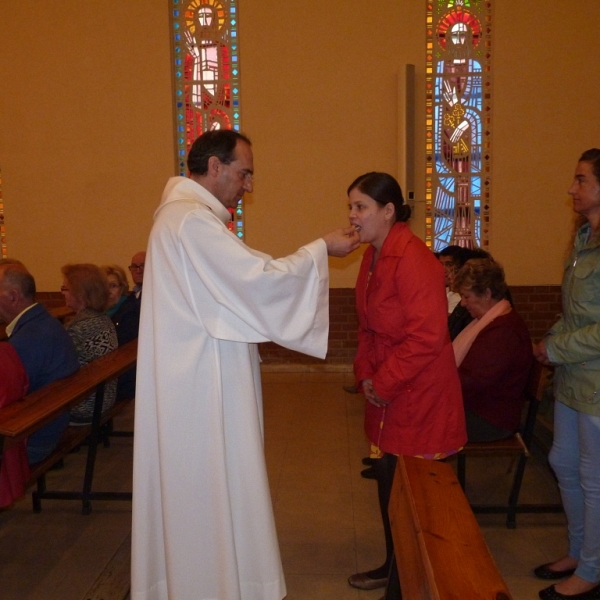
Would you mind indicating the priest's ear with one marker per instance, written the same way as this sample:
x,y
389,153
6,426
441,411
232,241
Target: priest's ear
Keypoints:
x,y
214,166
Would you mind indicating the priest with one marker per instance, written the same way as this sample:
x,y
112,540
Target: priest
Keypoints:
x,y
203,524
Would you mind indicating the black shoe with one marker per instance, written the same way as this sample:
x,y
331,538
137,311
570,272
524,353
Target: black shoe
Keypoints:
x,y
550,593
545,572
362,581
368,461
368,473
351,389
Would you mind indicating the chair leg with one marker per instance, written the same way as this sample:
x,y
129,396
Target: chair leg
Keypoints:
x,y
511,518
461,468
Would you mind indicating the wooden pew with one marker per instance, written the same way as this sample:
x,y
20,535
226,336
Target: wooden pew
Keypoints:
x,y
21,419
440,551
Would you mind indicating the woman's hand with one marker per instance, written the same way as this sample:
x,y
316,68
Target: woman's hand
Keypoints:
x,y
370,394
541,354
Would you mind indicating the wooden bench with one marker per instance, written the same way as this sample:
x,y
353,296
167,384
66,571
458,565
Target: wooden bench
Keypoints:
x,y
440,551
21,419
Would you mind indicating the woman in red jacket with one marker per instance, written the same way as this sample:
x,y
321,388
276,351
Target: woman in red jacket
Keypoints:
x,y
404,364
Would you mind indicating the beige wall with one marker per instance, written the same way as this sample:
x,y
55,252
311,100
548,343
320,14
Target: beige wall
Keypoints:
x,y
86,138
86,120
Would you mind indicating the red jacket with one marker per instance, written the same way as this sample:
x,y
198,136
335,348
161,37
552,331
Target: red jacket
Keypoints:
x,y
14,471
405,348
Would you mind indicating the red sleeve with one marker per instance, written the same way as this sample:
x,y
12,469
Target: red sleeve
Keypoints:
x,y
421,296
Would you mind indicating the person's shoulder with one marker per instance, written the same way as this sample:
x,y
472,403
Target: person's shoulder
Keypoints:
x,y
510,323
37,319
42,336
401,240
98,319
131,305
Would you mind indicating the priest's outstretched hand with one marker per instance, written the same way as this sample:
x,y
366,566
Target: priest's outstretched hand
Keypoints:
x,y
342,241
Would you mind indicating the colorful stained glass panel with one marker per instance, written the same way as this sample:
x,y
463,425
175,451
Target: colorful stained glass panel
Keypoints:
x,y
458,122
206,76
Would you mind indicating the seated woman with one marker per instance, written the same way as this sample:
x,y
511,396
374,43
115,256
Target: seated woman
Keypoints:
x,y
85,289
14,470
493,353
124,311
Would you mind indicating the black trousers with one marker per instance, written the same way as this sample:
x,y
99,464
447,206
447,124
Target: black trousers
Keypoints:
x,y
385,468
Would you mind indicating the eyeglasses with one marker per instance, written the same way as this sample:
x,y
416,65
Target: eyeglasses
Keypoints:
x,y
243,174
246,176
135,267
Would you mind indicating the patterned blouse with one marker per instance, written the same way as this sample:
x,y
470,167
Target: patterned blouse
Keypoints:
x,y
94,335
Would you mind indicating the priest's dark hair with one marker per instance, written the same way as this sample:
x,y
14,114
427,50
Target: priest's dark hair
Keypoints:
x,y
383,188
220,143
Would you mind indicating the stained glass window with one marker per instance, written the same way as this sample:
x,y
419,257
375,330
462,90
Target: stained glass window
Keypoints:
x,y
458,123
207,76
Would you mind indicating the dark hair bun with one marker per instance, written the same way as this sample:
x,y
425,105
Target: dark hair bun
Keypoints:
x,y
404,213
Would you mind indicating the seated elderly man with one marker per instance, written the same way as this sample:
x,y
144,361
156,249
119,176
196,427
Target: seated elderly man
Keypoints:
x,y
136,268
42,343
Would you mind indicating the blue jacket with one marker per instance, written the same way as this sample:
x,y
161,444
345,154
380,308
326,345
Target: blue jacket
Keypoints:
x,y
47,353
44,347
573,343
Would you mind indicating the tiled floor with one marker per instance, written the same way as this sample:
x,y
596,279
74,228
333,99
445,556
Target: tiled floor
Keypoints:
x,y
327,515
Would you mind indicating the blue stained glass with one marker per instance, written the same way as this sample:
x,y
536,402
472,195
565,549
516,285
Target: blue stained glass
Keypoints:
x,y
182,153
178,62
233,34
176,13
235,72
179,92
232,10
181,128
180,117
177,37
176,25
181,141
178,50
236,115
233,21
178,74
179,104
233,47
234,58
240,234
235,90
236,127
236,103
